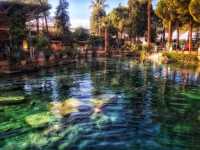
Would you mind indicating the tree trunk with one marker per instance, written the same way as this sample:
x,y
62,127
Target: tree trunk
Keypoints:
x,y
43,28
106,41
149,25
178,37
197,35
45,17
170,34
190,34
46,23
163,38
38,26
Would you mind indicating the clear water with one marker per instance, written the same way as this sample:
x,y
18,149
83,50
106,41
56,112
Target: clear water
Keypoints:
x,y
141,107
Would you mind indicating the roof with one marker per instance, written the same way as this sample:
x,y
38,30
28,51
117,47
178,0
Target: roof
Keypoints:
x,y
31,7
25,2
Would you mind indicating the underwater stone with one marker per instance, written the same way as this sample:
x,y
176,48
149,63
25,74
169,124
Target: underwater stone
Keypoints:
x,y
11,100
40,119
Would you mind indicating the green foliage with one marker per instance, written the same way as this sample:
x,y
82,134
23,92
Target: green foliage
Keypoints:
x,y
119,17
137,22
166,10
138,50
41,43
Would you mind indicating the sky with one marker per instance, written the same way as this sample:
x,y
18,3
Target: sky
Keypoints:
x,y
79,10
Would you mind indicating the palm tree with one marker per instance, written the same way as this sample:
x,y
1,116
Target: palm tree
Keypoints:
x,y
119,17
105,24
98,12
45,14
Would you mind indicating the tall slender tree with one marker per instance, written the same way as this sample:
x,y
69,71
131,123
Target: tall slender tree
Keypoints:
x,y
63,20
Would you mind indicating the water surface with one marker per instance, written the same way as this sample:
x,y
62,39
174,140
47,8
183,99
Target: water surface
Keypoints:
x,y
117,105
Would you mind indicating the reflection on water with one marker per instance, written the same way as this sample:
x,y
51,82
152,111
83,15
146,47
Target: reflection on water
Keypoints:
x,y
103,105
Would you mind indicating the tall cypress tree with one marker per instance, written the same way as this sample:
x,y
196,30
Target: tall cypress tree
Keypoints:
x,y
63,20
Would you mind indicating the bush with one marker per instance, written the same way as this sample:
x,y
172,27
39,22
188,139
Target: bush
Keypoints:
x,y
136,50
41,43
69,51
174,57
96,41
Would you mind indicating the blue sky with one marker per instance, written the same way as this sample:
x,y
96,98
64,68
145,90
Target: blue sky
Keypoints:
x,y
79,10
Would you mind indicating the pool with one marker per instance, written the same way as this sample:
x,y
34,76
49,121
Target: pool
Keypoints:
x,y
103,104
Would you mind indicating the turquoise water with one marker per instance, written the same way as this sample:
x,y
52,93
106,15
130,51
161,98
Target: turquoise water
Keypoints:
x,y
102,105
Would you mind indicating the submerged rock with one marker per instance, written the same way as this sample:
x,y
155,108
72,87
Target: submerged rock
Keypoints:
x,y
11,100
99,103
65,108
182,128
194,95
7,126
40,119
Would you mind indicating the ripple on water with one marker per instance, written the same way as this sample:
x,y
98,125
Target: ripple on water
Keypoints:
x,y
122,105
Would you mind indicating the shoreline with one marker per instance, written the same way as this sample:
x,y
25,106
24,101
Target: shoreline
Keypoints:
x,y
159,57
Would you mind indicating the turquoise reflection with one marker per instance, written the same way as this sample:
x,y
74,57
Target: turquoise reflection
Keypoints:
x,y
102,104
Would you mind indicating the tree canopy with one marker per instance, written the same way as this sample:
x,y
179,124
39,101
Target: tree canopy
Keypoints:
x,y
137,22
194,8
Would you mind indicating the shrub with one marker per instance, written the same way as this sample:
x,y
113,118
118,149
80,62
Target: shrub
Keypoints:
x,y
71,52
41,43
96,41
174,57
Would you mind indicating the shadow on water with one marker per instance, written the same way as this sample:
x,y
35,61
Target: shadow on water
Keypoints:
x,y
103,105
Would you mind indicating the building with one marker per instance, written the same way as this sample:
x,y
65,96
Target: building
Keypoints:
x,y
33,10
